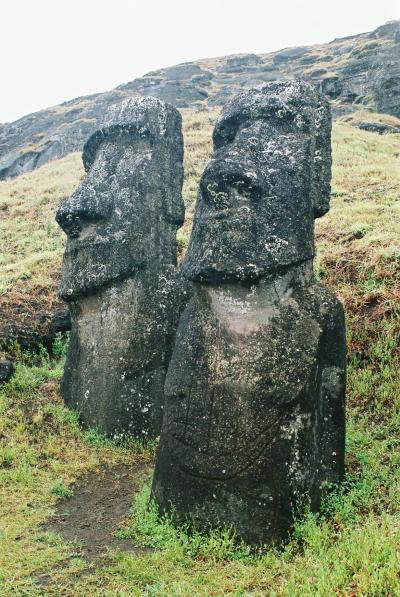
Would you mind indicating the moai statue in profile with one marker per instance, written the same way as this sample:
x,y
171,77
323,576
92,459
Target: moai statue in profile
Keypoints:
x,y
254,396
119,271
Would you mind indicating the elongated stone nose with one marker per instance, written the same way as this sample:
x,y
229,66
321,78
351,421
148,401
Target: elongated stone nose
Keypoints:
x,y
81,209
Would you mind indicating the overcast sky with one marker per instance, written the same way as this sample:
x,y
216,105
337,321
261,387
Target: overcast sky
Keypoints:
x,y
54,50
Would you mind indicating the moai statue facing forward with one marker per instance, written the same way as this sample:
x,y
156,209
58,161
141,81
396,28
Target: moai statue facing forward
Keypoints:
x,y
119,272
254,396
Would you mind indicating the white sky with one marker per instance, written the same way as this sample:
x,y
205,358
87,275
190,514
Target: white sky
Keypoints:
x,y
54,50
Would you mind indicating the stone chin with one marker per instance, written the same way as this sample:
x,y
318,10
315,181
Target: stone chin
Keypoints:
x,y
88,268
225,263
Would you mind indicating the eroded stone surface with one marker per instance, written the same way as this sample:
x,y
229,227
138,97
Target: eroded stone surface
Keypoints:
x,y
119,273
268,179
254,409
6,371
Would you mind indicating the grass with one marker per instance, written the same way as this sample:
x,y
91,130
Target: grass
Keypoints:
x,y
31,244
352,548
42,451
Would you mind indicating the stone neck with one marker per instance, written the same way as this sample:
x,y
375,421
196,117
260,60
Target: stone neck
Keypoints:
x,y
245,309
116,299
123,291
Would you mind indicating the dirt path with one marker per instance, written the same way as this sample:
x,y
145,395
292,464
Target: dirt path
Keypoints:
x,y
100,502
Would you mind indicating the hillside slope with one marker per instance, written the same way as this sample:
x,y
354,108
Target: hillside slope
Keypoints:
x,y
352,548
358,71
363,222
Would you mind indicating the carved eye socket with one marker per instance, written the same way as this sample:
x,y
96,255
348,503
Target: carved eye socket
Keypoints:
x,y
225,131
230,189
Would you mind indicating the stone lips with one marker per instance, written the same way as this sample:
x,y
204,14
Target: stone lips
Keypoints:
x,y
282,127
254,395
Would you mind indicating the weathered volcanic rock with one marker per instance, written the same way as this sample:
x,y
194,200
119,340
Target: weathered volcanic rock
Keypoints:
x,y
237,234
254,396
358,71
386,79
60,323
119,273
240,62
183,85
6,371
377,127
331,86
288,54
33,140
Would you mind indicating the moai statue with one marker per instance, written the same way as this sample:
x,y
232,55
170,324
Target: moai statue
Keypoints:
x,y
119,271
254,396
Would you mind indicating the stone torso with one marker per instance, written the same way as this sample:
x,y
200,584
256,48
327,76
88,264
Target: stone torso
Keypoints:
x,y
120,347
240,370
249,399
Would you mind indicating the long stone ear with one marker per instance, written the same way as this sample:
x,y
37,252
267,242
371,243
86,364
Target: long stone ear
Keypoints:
x,y
321,160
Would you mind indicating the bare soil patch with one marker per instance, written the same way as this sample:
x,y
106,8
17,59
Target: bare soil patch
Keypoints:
x,y
100,502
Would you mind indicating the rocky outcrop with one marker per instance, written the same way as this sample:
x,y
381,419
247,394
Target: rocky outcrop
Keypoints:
x,y
377,127
6,371
357,71
254,396
37,138
175,85
386,79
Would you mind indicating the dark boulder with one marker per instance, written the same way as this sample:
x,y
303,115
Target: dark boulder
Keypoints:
x,y
331,86
289,54
239,62
377,127
181,72
6,371
60,323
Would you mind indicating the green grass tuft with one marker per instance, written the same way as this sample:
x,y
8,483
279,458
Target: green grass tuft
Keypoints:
x,y
150,529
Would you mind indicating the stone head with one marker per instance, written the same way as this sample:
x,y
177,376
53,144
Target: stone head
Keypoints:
x,y
124,215
268,179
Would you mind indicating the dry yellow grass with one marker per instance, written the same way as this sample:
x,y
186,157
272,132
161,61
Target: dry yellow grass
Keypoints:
x,y
31,244
359,237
